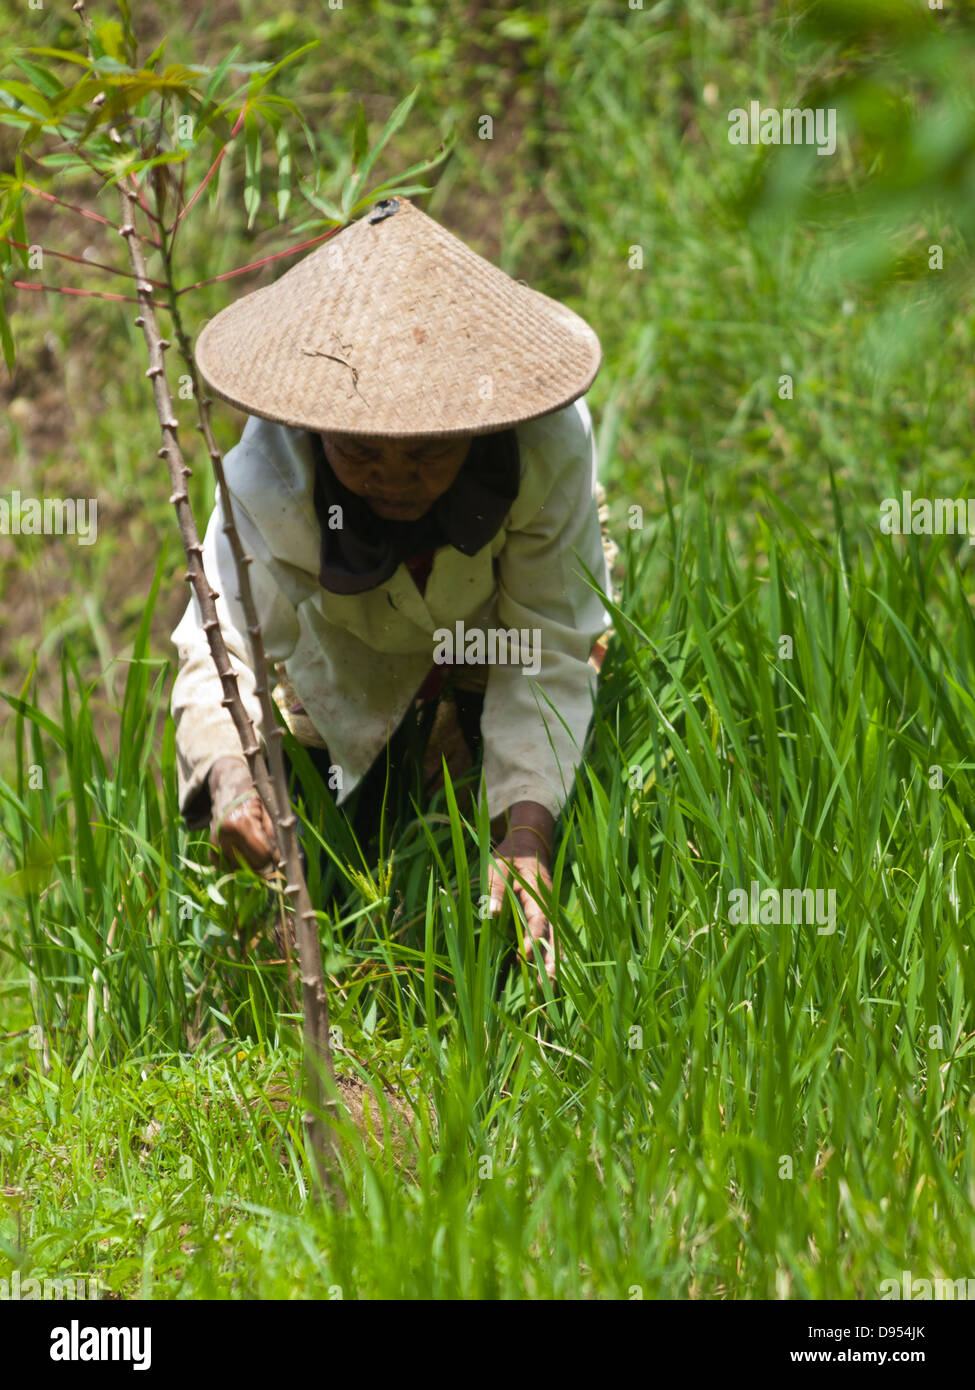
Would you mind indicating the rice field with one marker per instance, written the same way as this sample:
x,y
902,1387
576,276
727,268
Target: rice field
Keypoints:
x,y
754,1078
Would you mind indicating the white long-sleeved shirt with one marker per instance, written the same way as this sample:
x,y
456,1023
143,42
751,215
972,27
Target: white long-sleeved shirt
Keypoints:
x,y
357,661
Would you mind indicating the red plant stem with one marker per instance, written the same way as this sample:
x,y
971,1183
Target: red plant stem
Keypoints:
x,y
82,212
255,265
85,212
80,260
88,294
207,176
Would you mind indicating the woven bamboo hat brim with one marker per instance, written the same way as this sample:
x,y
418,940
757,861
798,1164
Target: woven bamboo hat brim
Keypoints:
x,y
395,327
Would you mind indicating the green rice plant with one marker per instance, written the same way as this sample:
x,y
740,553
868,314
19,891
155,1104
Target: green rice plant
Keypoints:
x,y
704,1107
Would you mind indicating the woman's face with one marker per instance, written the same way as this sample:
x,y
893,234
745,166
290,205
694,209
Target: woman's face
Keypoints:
x,y
399,478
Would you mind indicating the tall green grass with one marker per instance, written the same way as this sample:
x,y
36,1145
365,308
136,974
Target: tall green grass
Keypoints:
x,y
703,1108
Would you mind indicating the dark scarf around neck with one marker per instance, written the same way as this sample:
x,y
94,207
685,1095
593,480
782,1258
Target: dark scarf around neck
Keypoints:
x,y
366,550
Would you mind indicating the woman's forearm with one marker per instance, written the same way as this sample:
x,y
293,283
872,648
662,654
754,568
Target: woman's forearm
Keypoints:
x,y
531,828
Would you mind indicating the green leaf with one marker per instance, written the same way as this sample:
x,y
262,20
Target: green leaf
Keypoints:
x,y
63,161
19,225
125,10
6,339
283,150
111,36
76,97
392,191
291,107
29,96
156,54
420,168
331,210
168,157
219,73
62,54
353,191
178,73
264,109
252,168
112,66
249,68
232,103
44,81
360,137
288,58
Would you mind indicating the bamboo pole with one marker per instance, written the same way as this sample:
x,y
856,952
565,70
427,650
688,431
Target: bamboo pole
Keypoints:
x,y
273,788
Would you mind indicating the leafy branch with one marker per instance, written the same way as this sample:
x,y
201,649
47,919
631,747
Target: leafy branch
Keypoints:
x,y
135,128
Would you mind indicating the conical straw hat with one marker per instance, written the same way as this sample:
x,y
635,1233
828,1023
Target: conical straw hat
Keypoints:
x,y
395,327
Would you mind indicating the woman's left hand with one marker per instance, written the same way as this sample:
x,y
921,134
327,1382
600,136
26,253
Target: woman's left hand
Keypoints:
x,y
527,849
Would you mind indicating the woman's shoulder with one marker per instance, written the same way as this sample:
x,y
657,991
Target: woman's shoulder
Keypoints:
x,y
271,474
561,438
557,458
270,460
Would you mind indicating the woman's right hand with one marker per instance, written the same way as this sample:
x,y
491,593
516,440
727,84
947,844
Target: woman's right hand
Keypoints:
x,y
240,827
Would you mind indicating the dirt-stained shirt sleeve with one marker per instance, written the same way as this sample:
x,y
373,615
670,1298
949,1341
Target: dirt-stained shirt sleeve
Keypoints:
x,y
204,729
531,749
